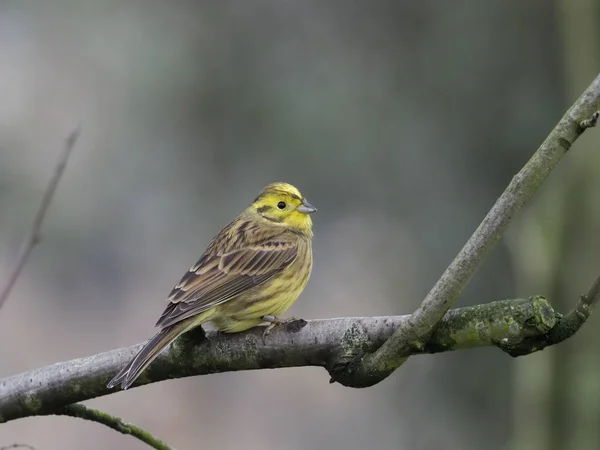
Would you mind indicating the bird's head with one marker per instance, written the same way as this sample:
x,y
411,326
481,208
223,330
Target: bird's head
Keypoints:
x,y
282,204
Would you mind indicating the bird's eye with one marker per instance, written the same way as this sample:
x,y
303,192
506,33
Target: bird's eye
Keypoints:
x,y
281,205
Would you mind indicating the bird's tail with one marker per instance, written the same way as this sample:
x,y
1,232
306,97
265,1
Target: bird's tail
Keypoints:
x,y
150,351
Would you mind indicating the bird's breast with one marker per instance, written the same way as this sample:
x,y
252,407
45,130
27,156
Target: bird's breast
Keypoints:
x,y
275,296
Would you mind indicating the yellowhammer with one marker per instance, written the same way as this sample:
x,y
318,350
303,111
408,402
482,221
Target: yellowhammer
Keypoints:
x,y
251,273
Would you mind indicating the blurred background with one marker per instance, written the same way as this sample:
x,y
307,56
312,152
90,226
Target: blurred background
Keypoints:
x,y
402,122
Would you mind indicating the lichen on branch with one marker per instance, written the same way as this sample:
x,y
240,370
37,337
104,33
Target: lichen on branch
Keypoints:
x,y
330,343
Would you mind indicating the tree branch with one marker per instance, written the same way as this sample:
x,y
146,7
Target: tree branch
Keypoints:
x,y
13,446
565,327
34,233
94,415
326,343
371,369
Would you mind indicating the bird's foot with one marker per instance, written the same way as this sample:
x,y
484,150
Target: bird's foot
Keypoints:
x,y
273,321
298,324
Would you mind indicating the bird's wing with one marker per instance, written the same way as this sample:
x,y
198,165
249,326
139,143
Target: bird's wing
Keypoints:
x,y
218,278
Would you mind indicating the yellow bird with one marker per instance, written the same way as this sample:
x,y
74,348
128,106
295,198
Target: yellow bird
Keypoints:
x,y
251,273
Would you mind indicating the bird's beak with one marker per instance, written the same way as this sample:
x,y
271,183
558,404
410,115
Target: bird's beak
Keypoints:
x,y
306,208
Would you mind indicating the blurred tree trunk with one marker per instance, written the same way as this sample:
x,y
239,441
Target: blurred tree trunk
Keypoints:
x,y
557,392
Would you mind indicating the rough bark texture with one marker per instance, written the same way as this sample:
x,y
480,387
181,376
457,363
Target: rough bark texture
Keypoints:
x,y
327,343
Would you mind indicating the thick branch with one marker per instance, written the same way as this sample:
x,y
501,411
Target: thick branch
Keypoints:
x,y
327,343
375,367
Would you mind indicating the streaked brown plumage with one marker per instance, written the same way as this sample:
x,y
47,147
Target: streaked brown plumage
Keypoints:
x,y
251,272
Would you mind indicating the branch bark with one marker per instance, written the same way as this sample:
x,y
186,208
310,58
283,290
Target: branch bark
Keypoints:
x,y
372,368
565,327
326,343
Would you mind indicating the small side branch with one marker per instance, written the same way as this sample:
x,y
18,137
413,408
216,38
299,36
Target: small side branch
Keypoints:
x,y
33,237
83,412
565,326
13,446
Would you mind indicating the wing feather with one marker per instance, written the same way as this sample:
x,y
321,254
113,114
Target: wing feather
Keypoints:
x,y
218,278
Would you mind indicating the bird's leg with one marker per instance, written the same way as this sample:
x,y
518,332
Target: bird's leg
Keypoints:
x,y
272,322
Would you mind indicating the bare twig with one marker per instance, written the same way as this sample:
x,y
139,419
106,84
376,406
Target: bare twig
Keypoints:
x,y
326,343
83,412
12,446
371,369
34,234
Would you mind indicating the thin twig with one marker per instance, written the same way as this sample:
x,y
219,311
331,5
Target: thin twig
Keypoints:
x,y
12,446
574,320
34,234
371,369
83,412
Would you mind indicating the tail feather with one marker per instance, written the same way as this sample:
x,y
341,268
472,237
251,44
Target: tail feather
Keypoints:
x,y
148,353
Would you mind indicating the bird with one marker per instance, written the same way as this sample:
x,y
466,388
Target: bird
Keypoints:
x,y
252,271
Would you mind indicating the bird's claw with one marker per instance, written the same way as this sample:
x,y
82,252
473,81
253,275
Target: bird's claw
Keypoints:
x,y
274,321
267,331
